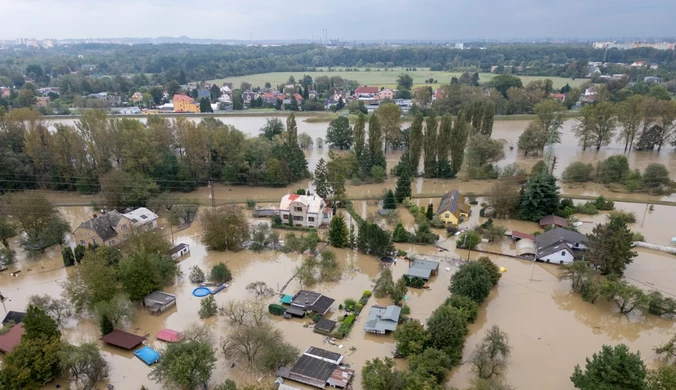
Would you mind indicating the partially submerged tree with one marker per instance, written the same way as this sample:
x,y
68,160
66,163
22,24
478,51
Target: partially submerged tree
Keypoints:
x,y
84,363
186,364
490,356
224,228
611,368
411,338
59,310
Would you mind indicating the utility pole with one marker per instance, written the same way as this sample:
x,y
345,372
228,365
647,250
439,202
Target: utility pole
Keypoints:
x,y
213,198
646,206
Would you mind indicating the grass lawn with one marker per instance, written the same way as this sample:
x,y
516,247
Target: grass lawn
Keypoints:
x,y
382,78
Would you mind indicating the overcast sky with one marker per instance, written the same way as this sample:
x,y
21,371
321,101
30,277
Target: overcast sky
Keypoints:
x,y
347,19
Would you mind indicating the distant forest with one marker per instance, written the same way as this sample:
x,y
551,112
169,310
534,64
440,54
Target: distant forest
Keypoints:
x,y
186,62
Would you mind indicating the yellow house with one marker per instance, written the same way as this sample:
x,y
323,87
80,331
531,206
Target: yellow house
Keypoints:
x,y
110,228
184,103
453,209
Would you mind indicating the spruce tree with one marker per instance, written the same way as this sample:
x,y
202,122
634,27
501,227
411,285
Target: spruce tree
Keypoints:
x,y
403,190
389,202
430,211
539,197
322,187
338,232
106,325
415,143
431,145
609,247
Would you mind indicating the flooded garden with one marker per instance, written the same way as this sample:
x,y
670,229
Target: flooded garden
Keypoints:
x,y
550,328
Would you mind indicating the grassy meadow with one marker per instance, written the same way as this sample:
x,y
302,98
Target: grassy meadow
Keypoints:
x,y
380,78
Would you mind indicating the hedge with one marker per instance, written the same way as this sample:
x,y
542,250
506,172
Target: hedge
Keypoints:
x,y
276,309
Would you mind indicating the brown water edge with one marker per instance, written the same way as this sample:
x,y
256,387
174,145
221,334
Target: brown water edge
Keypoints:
x,y
562,321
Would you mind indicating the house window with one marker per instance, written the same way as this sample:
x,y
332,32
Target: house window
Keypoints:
x,y
285,216
112,242
82,242
310,219
297,217
298,209
563,253
124,227
447,215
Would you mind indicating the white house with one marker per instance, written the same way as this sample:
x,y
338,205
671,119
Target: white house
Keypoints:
x,y
305,210
142,218
559,245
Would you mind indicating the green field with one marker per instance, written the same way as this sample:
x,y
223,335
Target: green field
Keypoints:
x,y
382,78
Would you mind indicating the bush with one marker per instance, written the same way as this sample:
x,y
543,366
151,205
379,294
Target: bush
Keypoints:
x,y
655,175
316,318
465,304
469,239
578,172
355,181
366,294
401,253
276,220
587,208
406,310
208,307
614,169
492,268
250,203
638,237
350,304
473,281
602,204
414,282
220,273
633,181
276,309
378,174
196,275
660,305
623,216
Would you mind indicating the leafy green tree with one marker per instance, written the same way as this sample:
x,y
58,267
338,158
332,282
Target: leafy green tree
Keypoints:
x,y
504,82
539,197
655,175
383,284
483,150
404,81
469,239
38,324
473,281
488,119
7,231
504,198
610,369
220,273
85,364
93,282
411,338
630,114
273,128
33,363
403,189
415,143
458,141
430,145
374,240
490,356
398,291
430,212
432,362
492,268
447,327
597,125
662,378
338,232
339,133
208,307
186,364
626,297
533,139
610,247
389,202
465,304
380,374
224,228
578,172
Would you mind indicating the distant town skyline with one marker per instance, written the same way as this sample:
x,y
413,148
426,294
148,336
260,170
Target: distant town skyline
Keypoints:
x,y
366,20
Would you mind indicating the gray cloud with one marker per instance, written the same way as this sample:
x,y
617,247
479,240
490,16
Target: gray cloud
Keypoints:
x,y
360,20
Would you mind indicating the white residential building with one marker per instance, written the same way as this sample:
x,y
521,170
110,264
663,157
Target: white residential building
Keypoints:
x,y
305,210
142,218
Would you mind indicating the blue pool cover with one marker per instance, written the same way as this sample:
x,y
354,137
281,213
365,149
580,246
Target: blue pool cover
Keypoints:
x,y
148,355
201,292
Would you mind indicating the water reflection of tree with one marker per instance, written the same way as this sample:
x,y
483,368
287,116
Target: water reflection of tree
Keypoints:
x,y
603,319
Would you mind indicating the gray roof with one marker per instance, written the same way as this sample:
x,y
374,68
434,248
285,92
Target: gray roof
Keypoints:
x,y
312,301
454,202
103,224
419,273
561,246
382,319
313,368
177,248
325,325
324,354
426,264
558,235
203,93
160,297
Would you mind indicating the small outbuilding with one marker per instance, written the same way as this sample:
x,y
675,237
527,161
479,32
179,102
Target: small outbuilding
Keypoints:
x,y
11,339
16,316
170,335
158,302
179,250
423,269
325,325
148,355
319,368
382,319
554,220
123,339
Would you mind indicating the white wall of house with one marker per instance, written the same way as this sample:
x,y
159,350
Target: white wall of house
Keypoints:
x,y
559,257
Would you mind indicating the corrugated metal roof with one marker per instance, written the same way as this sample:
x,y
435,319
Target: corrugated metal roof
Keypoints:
x,y
419,273
525,246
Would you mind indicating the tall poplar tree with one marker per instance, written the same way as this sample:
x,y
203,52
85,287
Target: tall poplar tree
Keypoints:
x,y
431,145
458,141
376,142
415,143
443,141
488,119
359,135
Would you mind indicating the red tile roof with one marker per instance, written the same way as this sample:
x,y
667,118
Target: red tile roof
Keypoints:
x,y
186,98
298,96
293,197
366,90
11,339
520,235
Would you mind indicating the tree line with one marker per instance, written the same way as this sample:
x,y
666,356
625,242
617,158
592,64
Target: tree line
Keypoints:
x,y
132,162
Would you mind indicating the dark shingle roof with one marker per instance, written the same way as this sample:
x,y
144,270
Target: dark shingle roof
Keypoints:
x,y
15,316
454,202
335,356
103,224
325,325
323,304
122,339
314,368
553,220
558,235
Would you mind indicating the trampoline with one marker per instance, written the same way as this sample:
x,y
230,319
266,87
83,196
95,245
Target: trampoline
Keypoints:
x,y
201,292
147,355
